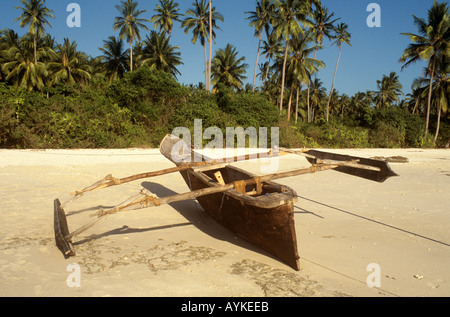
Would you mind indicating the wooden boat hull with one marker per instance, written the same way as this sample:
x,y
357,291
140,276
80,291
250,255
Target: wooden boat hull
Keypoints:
x,y
266,220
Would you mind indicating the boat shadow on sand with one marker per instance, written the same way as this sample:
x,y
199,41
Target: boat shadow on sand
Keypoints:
x,y
195,215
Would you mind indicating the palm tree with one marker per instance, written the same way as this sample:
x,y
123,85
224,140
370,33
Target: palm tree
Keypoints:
x,y
342,36
159,54
389,88
260,20
8,39
114,59
228,69
323,26
271,49
36,15
21,70
416,96
167,13
334,103
433,38
129,24
318,93
197,19
290,14
68,65
358,102
300,67
210,40
344,102
442,90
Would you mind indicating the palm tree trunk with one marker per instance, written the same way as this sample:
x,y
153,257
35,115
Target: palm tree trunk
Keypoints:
x,y
313,113
257,59
206,68
429,97
309,90
283,77
131,54
438,122
415,106
35,49
289,104
267,74
307,101
210,45
296,105
268,68
332,85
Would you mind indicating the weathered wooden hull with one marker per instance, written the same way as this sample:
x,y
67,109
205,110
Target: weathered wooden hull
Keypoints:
x,y
266,220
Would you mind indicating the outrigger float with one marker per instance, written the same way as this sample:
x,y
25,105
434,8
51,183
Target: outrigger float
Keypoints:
x,y
253,207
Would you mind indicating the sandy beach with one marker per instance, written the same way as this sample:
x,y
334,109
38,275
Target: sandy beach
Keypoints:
x,y
344,225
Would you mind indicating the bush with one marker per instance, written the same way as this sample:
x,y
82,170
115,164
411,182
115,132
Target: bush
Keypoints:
x,y
141,108
407,129
386,136
291,136
337,135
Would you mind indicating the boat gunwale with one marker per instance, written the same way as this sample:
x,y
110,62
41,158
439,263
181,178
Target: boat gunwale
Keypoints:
x,y
285,196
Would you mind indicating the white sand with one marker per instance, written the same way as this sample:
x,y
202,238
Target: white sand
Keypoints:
x,y
343,225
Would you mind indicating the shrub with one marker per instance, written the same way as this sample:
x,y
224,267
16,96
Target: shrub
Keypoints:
x,y
386,136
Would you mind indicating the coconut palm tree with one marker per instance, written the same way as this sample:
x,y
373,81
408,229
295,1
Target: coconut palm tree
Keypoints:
x,y
197,20
8,39
442,90
68,65
210,40
271,49
264,70
129,24
344,103
300,66
114,60
416,97
290,19
228,69
358,102
159,54
36,15
323,26
342,36
433,38
389,90
167,13
21,69
260,20
317,94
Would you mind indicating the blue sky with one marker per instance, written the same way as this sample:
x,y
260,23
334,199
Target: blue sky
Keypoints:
x,y
374,51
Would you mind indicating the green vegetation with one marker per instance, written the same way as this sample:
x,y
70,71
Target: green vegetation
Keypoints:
x,y
54,96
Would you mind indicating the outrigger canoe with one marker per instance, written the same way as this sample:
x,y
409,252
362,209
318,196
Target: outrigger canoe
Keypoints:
x,y
253,207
